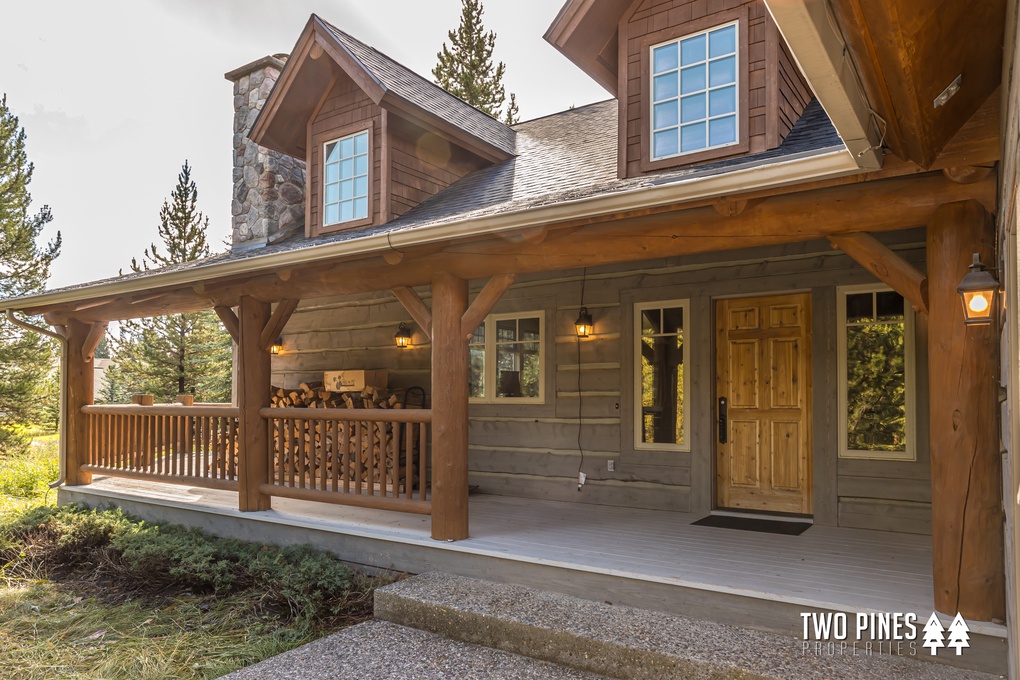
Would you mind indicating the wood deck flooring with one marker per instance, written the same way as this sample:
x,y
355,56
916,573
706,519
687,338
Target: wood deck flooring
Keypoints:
x,y
827,567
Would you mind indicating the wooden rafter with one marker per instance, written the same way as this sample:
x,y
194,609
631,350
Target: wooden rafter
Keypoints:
x,y
230,322
485,301
416,307
277,322
887,267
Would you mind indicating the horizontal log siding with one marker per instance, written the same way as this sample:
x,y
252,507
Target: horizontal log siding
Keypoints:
x,y
531,450
346,106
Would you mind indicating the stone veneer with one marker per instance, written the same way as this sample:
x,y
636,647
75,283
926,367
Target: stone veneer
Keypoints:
x,y
269,187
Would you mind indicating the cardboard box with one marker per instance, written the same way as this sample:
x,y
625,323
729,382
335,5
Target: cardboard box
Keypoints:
x,y
354,380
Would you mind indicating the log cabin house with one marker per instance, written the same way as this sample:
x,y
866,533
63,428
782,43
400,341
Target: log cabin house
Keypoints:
x,y
762,230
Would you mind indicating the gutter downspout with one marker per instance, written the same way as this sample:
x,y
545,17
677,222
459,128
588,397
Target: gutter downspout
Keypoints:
x,y
62,454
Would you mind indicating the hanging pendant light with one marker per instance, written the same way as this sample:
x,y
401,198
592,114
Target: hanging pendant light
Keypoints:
x,y
584,325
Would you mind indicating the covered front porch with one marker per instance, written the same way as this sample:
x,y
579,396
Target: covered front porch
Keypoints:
x,y
645,558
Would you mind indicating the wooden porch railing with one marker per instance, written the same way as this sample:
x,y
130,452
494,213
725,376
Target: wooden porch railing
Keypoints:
x,y
194,445
371,458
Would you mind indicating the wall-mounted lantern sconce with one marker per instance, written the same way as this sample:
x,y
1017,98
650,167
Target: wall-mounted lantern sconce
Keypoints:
x,y
402,338
584,325
276,347
979,291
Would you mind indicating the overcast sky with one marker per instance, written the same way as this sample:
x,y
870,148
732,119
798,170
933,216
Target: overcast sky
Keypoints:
x,y
115,94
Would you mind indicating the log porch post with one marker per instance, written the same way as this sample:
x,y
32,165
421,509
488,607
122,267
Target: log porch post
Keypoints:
x,y
450,378
253,383
80,392
966,473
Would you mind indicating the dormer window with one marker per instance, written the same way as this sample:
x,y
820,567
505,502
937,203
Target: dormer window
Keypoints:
x,y
345,197
695,83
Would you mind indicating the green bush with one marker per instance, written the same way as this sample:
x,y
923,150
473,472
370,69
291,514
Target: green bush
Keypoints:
x,y
299,583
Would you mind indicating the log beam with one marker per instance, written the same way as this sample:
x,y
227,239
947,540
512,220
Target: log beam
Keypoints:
x,y
887,266
277,322
662,231
96,332
80,388
416,307
963,366
485,301
230,322
254,384
450,380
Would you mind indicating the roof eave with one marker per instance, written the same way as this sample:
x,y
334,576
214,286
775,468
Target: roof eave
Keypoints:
x,y
825,163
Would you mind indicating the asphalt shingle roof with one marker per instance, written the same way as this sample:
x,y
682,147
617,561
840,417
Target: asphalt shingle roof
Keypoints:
x,y
563,157
414,88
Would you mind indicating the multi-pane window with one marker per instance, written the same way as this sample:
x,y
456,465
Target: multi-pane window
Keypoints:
x,y
660,377
875,348
694,92
345,185
506,358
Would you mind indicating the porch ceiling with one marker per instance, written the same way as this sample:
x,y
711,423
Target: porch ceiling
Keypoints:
x,y
797,213
908,51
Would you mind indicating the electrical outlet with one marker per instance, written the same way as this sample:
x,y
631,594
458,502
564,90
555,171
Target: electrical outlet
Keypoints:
x,y
611,465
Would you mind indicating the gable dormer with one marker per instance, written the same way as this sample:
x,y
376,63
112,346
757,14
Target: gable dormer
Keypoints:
x,y
377,138
696,80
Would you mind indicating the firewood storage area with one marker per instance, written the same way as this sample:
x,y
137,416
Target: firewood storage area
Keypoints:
x,y
366,448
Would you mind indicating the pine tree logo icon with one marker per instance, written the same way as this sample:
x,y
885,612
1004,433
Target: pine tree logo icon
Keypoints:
x,y
958,634
933,634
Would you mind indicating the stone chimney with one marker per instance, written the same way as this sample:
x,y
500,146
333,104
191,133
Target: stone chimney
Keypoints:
x,y
269,187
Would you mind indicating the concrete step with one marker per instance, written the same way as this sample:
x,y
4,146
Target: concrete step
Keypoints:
x,y
623,642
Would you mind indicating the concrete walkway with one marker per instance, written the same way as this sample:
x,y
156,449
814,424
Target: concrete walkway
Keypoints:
x,y
380,650
442,626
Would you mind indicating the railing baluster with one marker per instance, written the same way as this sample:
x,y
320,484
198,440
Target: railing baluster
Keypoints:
x,y
357,453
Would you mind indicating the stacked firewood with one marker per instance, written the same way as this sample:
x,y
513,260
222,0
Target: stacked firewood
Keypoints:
x,y
314,395
316,446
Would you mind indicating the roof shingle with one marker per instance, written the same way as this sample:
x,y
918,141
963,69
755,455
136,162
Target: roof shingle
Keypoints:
x,y
414,88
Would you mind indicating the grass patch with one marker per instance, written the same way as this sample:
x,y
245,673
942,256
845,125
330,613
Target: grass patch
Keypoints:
x,y
49,630
101,594
25,478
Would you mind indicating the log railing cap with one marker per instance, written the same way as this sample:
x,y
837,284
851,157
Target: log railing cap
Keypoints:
x,y
163,410
378,415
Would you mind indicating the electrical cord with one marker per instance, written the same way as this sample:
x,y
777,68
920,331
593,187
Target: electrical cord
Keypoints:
x,y
580,397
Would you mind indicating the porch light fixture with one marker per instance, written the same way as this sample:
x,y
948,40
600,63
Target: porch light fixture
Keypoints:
x,y
584,325
402,338
276,347
979,290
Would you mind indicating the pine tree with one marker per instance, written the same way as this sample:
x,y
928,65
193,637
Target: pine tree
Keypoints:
x,y
465,68
180,353
25,358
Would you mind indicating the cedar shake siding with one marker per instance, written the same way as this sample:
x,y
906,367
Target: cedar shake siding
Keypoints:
x,y
346,110
772,93
421,164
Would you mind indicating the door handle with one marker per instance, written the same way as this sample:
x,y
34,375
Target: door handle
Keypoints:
x,y
722,420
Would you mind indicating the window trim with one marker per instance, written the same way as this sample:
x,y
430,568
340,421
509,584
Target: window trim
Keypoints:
x,y
490,358
909,454
321,141
636,415
708,23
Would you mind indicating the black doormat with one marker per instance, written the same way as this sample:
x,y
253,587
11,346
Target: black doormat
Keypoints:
x,y
768,526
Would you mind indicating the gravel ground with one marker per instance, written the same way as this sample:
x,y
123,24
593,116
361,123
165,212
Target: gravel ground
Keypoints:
x,y
379,650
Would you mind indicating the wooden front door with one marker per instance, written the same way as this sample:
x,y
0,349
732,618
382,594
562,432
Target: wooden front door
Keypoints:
x,y
763,364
